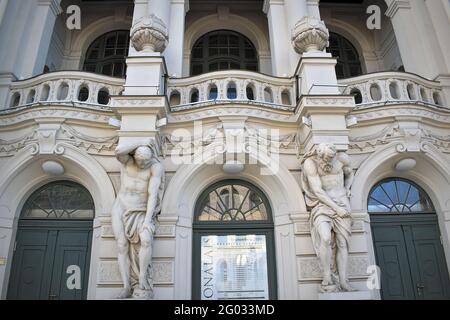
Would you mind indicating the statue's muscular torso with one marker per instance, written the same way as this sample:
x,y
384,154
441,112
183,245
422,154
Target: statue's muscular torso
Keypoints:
x,y
134,186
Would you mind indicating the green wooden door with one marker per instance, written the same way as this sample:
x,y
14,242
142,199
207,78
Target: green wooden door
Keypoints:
x,y
43,253
411,258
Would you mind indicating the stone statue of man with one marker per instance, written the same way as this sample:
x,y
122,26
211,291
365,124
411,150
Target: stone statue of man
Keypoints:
x,y
326,180
134,216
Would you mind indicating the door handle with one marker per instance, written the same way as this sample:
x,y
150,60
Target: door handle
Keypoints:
x,y
419,288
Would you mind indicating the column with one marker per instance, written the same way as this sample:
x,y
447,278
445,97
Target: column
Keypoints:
x,y
295,10
175,49
143,102
149,38
439,12
12,27
3,5
279,37
32,57
313,8
413,31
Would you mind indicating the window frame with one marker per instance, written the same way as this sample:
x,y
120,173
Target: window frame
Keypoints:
x,y
343,60
221,228
101,61
421,191
207,60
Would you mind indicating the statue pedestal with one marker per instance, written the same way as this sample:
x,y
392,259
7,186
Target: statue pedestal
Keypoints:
x,y
356,295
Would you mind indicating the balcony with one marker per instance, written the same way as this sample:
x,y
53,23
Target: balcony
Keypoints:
x,y
387,88
232,87
71,88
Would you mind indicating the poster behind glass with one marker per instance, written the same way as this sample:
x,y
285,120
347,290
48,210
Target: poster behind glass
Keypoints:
x,y
234,267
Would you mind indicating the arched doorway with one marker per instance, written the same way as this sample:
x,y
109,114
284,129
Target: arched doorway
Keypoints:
x,y
407,242
53,244
233,249
223,50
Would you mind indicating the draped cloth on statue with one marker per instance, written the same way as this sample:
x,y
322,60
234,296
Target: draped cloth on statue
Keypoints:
x,y
321,213
133,221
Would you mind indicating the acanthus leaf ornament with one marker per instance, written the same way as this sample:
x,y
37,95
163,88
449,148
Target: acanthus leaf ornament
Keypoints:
x,y
149,34
310,34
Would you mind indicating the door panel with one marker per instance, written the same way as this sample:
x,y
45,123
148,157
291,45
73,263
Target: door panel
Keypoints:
x,y
433,273
30,264
411,257
71,250
393,261
41,259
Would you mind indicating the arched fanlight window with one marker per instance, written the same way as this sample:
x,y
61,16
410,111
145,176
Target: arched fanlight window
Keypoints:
x,y
59,200
348,63
234,201
223,50
107,54
399,196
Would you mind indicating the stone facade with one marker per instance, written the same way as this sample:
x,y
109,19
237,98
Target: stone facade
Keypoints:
x,y
298,100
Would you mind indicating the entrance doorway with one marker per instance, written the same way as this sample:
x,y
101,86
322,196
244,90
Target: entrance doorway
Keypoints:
x,y
234,254
53,244
407,242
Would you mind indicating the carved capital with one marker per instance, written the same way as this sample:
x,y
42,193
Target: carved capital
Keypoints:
x,y
150,34
310,34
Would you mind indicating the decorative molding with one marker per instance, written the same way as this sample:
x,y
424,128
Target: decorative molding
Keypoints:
x,y
12,117
310,269
218,134
149,34
163,272
407,140
396,5
440,115
109,274
50,139
310,34
231,111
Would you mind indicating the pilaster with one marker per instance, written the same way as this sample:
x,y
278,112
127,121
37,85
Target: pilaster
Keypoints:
x,y
326,119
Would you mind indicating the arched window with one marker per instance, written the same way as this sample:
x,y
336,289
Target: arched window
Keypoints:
x,y
348,63
59,200
107,54
233,244
223,50
399,196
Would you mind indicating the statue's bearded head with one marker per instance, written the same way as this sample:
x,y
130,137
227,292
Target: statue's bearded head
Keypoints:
x,y
142,156
326,153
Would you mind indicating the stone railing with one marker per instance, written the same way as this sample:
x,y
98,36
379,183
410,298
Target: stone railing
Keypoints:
x,y
64,87
222,87
384,88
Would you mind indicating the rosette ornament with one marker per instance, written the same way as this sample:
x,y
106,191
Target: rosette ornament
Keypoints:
x,y
310,34
149,34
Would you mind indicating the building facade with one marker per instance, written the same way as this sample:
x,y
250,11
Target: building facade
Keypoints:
x,y
234,94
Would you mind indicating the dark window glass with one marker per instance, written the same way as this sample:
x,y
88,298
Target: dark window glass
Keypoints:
x,y
233,202
59,200
348,64
212,93
107,54
223,50
399,196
